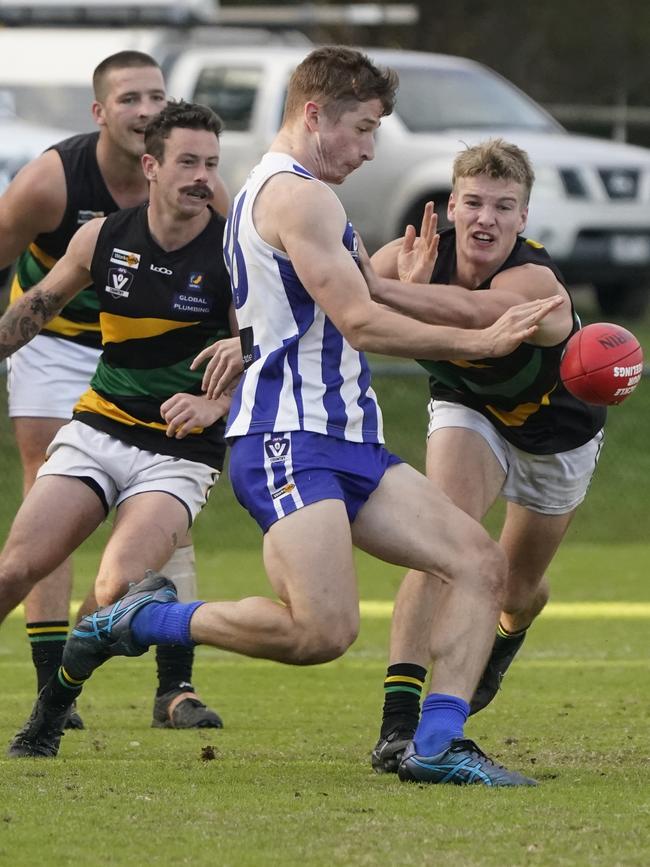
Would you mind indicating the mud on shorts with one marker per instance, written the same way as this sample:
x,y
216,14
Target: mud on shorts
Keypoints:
x,y
274,474
116,471
549,484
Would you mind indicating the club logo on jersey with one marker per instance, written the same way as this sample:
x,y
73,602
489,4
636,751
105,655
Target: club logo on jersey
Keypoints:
x,y
125,257
119,282
195,282
87,216
277,448
160,269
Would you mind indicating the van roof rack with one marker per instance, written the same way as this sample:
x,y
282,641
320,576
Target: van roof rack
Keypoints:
x,y
73,13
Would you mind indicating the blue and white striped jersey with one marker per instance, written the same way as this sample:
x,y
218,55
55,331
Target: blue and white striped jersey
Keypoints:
x,y
300,372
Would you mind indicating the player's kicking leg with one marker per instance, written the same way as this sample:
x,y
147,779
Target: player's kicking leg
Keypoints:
x,y
40,737
316,621
176,703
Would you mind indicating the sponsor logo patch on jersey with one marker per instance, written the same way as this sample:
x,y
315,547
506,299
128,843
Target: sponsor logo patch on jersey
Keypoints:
x,y
192,301
125,257
119,282
191,304
160,269
84,216
283,491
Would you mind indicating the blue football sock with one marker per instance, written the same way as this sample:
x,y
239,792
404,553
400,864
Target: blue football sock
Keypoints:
x,y
164,623
442,720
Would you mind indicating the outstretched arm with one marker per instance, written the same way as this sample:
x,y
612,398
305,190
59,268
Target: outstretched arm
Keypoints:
x,y
441,304
398,271
309,222
24,319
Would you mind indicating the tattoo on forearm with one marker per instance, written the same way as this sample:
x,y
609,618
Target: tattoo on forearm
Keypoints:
x,y
26,317
45,304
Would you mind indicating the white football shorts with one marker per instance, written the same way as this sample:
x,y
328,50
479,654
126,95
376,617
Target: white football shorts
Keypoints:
x,y
117,471
549,484
47,376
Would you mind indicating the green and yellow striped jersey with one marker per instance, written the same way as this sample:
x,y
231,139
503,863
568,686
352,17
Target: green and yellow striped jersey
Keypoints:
x,y
521,393
158,310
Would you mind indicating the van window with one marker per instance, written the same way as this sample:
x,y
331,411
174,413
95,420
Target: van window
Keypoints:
x,y
433,99
230,92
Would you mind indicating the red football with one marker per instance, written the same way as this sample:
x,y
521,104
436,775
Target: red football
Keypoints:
x,y
602,364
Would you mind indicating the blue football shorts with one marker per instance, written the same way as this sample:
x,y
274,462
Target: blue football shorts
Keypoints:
x,y
275,474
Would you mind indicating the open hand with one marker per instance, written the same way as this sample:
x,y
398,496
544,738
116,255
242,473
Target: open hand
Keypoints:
x,y
417,255
517,324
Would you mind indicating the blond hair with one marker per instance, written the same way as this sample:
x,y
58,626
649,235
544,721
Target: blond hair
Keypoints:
x,y
497,159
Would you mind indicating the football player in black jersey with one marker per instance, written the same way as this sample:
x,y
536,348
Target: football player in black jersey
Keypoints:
x,y
501,427
143,439
88,175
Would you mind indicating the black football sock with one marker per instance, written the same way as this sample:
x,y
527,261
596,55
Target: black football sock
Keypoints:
x,y
62,690
175,664
507,642
47,640
403,687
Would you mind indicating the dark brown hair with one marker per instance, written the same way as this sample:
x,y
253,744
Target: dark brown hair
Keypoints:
x,y
183,115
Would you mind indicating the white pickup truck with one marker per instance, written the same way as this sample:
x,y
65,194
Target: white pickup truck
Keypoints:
x,y
591,201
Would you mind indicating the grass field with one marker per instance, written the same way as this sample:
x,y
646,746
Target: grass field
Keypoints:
x,y
290,781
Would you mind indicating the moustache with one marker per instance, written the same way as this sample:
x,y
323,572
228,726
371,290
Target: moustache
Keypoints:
x,y
198,190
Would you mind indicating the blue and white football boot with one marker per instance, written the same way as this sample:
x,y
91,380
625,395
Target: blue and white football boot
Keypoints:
x,y
463,763
107,632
